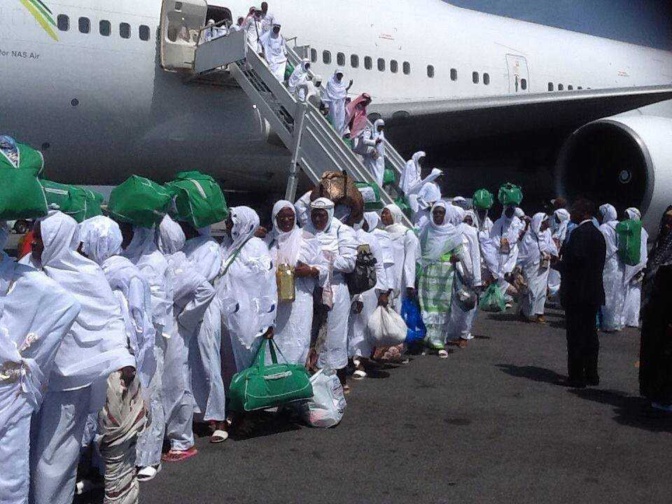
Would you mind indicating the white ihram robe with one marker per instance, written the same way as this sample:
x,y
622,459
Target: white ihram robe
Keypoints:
x,y
275,52
632,279
406,253
614,273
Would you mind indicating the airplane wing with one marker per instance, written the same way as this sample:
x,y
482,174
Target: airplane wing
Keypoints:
x,y
441,122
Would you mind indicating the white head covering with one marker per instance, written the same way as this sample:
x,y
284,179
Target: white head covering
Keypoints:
x,y
4,234
287,244
608,213
96,343
531,245
633,214
397,228
461,202
171,237
379,122
336,90
474,218
454,214
326,205
373,220
438,239
142,244
101,238
519,212
245,223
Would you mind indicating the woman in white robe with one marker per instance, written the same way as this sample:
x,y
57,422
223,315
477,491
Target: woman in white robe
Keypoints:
x,y
192,294
461,322
275,51
614,273
559,225
633,278
205,362
441,245
143,251
29,339
298,80
334,96
360,345
247,291
94,348
406,252
502,249
297,248
338,244
374,159
536,250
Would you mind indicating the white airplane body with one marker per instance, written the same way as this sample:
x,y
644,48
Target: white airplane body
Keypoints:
x,y
101,107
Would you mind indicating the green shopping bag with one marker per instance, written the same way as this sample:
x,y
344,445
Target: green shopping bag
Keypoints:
x,y
264,386
139,201
289,70
483,199
21,195
198,199
629,241
77,202
389,177
493,300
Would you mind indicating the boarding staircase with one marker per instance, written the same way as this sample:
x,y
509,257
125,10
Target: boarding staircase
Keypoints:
x,y
314,145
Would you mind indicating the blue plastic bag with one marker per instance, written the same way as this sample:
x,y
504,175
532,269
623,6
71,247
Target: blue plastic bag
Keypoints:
x,y
410,312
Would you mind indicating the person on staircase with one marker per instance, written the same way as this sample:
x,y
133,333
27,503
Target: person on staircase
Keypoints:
x,y
253,30
374,156
267,19
298,80
334,97
275,51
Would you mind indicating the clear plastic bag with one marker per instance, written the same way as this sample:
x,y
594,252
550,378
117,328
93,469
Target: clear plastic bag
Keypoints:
x,y
386,327
327,407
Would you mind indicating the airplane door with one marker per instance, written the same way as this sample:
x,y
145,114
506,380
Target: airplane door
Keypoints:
x,y
181,22
519,77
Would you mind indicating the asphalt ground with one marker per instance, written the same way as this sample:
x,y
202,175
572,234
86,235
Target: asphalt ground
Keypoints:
x,y
489,424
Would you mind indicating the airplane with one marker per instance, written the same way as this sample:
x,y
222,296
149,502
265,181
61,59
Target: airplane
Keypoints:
x,y
99,86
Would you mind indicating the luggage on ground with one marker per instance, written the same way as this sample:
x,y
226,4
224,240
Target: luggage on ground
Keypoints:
x,y
264,386
327,406
139,201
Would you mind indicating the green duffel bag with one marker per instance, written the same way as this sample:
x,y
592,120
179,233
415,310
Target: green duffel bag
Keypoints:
x,y
94,203
389,177
77,202
510,194
140,202
483,199
264,386
198,199
493,300
289,70
21,194
370,195
630,241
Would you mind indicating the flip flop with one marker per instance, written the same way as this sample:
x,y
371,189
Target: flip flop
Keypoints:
x,y
179,455
148,473
443,354
219,436
359,375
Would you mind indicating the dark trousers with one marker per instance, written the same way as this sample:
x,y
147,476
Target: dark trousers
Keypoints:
x,y
583,345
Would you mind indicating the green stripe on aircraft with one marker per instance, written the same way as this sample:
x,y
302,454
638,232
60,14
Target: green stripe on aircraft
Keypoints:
x,y
42,15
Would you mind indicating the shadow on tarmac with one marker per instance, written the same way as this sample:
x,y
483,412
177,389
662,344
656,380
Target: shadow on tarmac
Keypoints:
x,y
533,373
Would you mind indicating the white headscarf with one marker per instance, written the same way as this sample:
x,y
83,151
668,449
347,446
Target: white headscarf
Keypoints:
x,y
373,220
474,218
287,244
245,223
96,343
438,239
337,90
608,213
171,237
560,222
142,244
633,214
397,228
101,238
533,243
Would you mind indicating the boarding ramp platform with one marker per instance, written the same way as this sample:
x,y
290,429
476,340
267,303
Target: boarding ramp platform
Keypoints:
x,y
314,145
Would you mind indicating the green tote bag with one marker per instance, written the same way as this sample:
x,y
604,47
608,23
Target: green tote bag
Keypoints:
x,y
264,386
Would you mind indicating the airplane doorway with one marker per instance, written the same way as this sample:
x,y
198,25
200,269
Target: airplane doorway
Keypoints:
x,y
219,14
519,77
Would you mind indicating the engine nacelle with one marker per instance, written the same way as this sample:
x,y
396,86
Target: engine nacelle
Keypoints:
x,y
625,161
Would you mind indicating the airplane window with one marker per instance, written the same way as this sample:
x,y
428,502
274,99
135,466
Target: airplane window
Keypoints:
x,y
105,28
407,68
125,30
368,62
475,77
561,87
453,74
486,79
394,66
340,59
550,86
580,87
84,25
381,64
354,61
144,32
326,57
313,55
570,88
430,71
63,22
523,84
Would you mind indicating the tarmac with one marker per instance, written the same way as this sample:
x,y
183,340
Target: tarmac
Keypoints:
x,y
491,424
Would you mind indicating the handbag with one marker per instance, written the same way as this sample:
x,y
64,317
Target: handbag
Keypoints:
x,y
263,386
386,327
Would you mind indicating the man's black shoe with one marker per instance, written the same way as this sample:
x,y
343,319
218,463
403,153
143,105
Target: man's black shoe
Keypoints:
x,y
593,381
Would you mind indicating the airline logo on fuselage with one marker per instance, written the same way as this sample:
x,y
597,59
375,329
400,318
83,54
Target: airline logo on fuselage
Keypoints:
x,y
42,15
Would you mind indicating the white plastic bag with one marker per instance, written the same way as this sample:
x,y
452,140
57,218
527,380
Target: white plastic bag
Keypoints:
x,y
327,406
386,327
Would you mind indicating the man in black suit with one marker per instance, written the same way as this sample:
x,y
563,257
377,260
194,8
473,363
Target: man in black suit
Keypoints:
x,y
582,294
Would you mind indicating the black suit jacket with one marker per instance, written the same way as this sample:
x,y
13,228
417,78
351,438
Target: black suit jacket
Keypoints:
x,y
582,266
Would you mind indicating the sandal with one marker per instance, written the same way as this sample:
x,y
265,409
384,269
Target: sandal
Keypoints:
x,y
179,455
359,374
148,473
443,354
220,431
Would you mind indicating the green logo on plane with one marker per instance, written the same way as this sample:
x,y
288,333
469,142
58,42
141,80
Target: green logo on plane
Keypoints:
x,y
42,15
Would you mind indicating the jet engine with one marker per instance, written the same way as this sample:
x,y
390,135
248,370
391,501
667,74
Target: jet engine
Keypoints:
x,y
625,161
